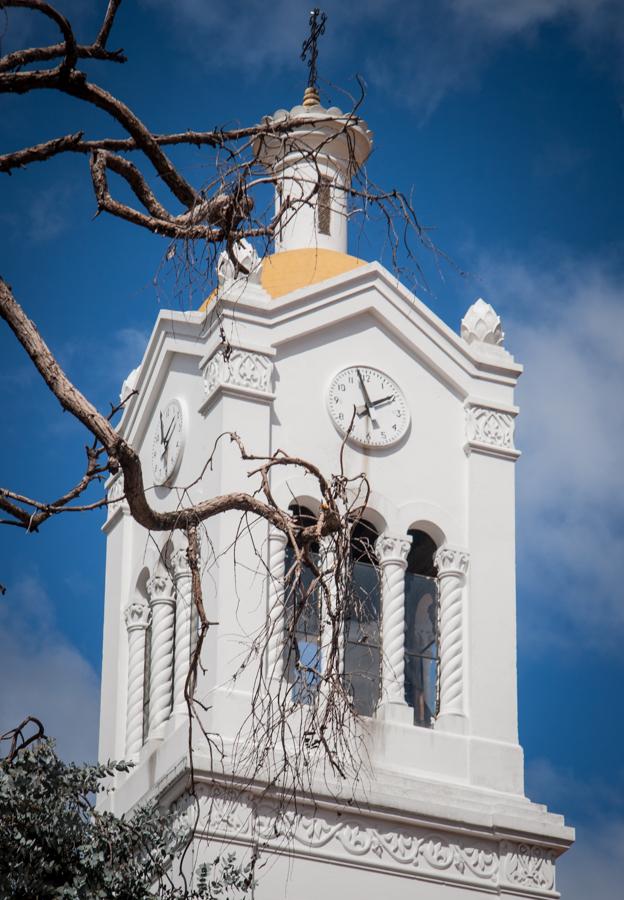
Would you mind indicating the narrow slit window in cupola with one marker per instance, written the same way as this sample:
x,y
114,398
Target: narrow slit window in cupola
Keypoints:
x,y
324,205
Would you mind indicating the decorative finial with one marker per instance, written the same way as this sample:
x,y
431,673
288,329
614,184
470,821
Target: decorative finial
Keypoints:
x,y
317,28
482,324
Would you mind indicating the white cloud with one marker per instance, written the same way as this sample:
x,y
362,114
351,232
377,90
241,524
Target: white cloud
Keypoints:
x,y
41,215
43,675
420,50
592,798
565,323
594,866
513,16
100,366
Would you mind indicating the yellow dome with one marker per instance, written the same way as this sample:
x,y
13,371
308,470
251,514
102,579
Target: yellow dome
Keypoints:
x,y
293,269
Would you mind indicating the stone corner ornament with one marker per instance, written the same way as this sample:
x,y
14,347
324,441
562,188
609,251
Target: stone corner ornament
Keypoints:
x,y
482,324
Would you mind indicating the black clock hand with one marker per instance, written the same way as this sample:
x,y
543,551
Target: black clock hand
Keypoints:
x,y
367,400
162,432
382,400
166,437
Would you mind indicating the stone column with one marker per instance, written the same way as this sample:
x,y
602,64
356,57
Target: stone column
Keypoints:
x,y
392,553
183,628
162,603
275,602
332,597
452,565
137,616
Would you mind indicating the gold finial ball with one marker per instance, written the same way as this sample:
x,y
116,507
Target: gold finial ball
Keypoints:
x,y
311,97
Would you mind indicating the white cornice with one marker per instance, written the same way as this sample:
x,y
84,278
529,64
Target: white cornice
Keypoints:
x,y
269,324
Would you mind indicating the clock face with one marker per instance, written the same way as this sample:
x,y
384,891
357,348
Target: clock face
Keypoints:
x,y
167,441
373,401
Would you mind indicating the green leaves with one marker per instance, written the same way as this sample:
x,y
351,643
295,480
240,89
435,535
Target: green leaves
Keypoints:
x,y
54,845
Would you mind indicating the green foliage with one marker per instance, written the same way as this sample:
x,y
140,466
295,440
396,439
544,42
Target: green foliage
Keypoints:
x,y
54,844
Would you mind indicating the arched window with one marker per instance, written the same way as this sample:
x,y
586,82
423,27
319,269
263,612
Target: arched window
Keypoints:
x,y
362,637
421,628
302,622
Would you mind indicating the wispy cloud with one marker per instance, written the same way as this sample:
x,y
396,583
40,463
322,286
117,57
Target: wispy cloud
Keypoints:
x,y
41,215
43,674
100,366
420,50
594,866
565,322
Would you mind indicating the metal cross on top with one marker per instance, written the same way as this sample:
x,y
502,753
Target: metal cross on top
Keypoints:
x,y
317,28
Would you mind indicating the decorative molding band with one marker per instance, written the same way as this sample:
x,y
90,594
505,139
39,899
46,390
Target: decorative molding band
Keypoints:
x,y
116,498
244,372
490,431
417,852
528,866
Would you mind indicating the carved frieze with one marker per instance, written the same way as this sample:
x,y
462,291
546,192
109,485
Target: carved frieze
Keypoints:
x,y
115,495
490,430
529,866
409,850
244,371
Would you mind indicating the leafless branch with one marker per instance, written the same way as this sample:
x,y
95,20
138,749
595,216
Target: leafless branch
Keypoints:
x,y
19,740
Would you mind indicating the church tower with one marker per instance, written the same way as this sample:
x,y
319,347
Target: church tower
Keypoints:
x,y
317,338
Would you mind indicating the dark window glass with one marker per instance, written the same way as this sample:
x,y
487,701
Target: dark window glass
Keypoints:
x,y
302,646
362,651
421,629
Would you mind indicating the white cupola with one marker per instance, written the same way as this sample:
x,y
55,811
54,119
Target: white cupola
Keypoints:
x,y
313,164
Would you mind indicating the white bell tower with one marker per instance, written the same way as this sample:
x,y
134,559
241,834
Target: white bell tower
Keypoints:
x,y
439,810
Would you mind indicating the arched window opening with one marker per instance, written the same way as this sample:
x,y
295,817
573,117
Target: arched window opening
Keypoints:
x,y
302,645
362,644
421,628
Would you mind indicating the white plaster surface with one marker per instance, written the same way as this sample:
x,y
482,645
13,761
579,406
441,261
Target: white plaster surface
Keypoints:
x,y
441,811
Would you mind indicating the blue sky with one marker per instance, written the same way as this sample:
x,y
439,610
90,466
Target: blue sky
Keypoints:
x,y
507,119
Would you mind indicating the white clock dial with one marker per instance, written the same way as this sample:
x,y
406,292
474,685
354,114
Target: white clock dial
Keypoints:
x,y
373,402
167,441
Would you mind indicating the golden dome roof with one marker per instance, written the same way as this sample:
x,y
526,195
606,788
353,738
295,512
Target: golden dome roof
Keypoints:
x,y
293,269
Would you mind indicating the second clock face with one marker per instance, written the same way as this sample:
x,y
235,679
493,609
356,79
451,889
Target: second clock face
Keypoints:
x,y
167,441
372,403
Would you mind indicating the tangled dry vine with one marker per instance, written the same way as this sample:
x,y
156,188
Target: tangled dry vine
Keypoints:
x,y
215,215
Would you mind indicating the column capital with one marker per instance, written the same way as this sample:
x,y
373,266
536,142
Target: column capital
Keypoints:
x,y
137,615
451,560
180,563
392,549
160,589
